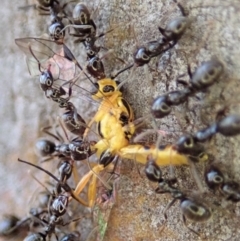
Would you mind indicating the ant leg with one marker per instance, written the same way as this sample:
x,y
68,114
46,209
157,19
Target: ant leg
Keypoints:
x,y
181,8
62,185
195,176
71,221
192,230
121,71
102,34
189,71
89,126
42,10
46,159
165,213
182,82
57,137
162,31
55,237
18,224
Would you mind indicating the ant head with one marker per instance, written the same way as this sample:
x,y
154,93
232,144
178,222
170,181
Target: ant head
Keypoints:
x,y
231,190
7,223
46,80
95,67
81,15
175,28
36,237
207,74
160,107
141,56
56,31
152,170
59,205
194,210
214,178
45,147
187,145
229,126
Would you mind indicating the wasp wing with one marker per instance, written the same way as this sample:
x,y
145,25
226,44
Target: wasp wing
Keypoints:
x,y
42,54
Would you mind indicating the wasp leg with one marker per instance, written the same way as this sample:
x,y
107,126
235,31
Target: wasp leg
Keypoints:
x,y
92,191
83,182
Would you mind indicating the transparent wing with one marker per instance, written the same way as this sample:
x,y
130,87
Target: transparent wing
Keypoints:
x,y
42,54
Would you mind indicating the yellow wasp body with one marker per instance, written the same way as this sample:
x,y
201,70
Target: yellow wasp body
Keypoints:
x,y
114,120
163,156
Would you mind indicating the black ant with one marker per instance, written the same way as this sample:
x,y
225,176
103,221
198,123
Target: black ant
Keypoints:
x,y
74,236
204,76
228,126
216,180
58,206
191,208
57,14
170,36
44,7
75,150
55,30
11,225
7,224
85,30
72,120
